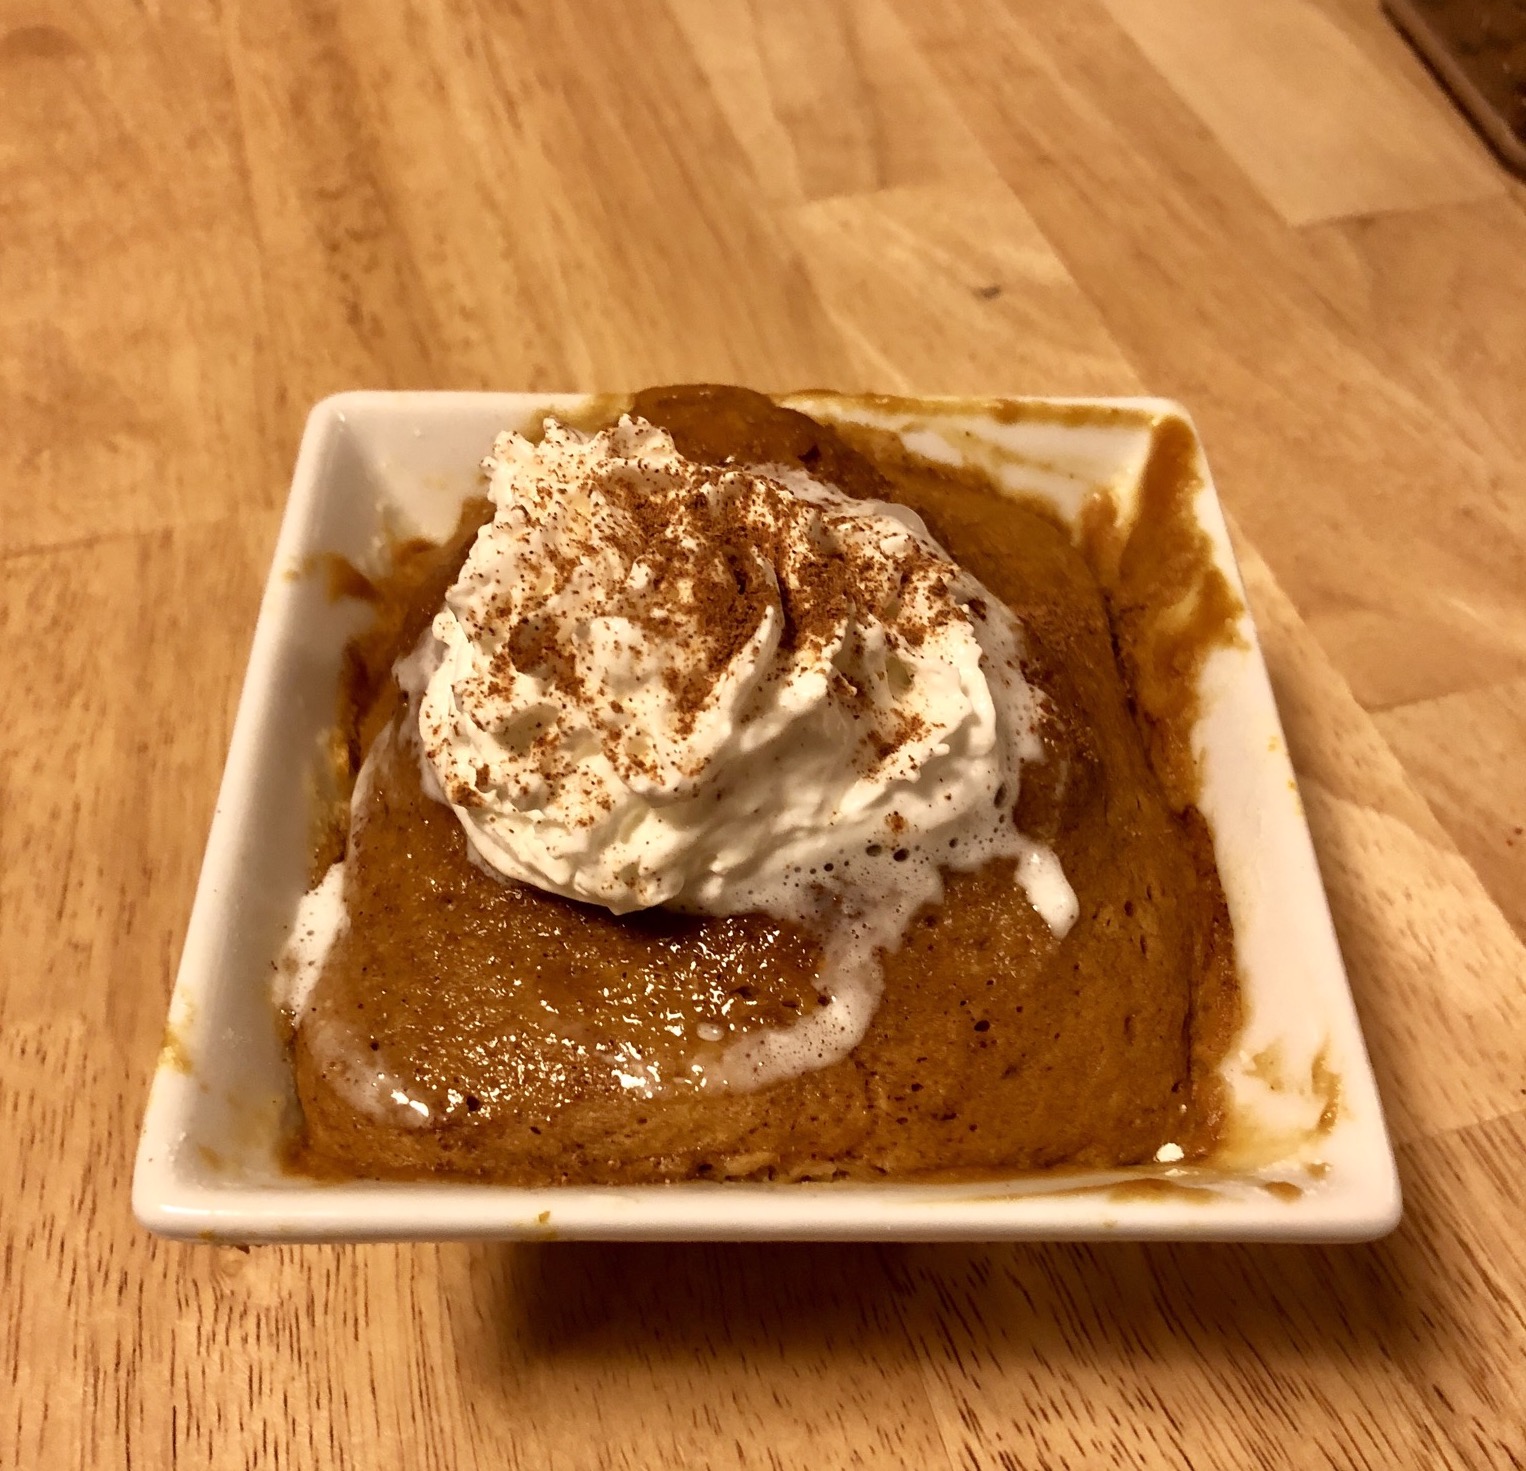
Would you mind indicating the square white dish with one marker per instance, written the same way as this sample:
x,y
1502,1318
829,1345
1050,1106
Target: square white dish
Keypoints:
x,y
1309,1158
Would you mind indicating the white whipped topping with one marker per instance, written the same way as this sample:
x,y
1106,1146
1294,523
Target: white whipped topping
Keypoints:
x,y
322,916
321,919
585,753
1043,880
727,690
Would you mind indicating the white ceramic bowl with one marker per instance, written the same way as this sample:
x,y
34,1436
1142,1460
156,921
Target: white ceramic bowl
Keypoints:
x,y
1310,1159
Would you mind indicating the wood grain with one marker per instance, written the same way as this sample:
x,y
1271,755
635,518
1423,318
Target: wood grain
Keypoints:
x,y
211,215
1321,130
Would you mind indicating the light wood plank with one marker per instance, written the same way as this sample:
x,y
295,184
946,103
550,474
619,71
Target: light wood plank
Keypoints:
x,y
134,378
828,99
112,759
500,214
1440,295
1464,752
951,289
1321,130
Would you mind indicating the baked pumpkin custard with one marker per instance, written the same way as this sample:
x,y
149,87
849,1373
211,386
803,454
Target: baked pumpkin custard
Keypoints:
x,y
736,796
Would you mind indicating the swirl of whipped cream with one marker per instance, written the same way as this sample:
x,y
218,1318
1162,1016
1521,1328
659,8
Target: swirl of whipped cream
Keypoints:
x,y
718,688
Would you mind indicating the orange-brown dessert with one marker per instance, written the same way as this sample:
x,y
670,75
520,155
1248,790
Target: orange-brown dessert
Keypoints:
x,y
467,1025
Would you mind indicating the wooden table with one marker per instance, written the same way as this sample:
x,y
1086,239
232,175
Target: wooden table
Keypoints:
x,y
210,215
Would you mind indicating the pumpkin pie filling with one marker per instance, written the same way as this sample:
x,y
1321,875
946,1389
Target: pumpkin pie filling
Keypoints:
x,y
463,1022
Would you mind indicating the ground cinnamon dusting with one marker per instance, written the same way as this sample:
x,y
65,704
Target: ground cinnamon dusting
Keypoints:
x,y
707,540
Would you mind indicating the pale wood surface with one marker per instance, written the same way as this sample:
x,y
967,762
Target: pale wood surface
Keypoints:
x,y
210,215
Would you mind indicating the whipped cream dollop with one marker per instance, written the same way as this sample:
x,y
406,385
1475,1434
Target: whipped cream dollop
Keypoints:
x,y
727,689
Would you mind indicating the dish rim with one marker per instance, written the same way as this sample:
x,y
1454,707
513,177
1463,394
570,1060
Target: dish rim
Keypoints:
x,y
179,1193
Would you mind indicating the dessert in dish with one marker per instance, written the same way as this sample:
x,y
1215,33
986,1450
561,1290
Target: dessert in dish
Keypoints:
x,y
731,800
